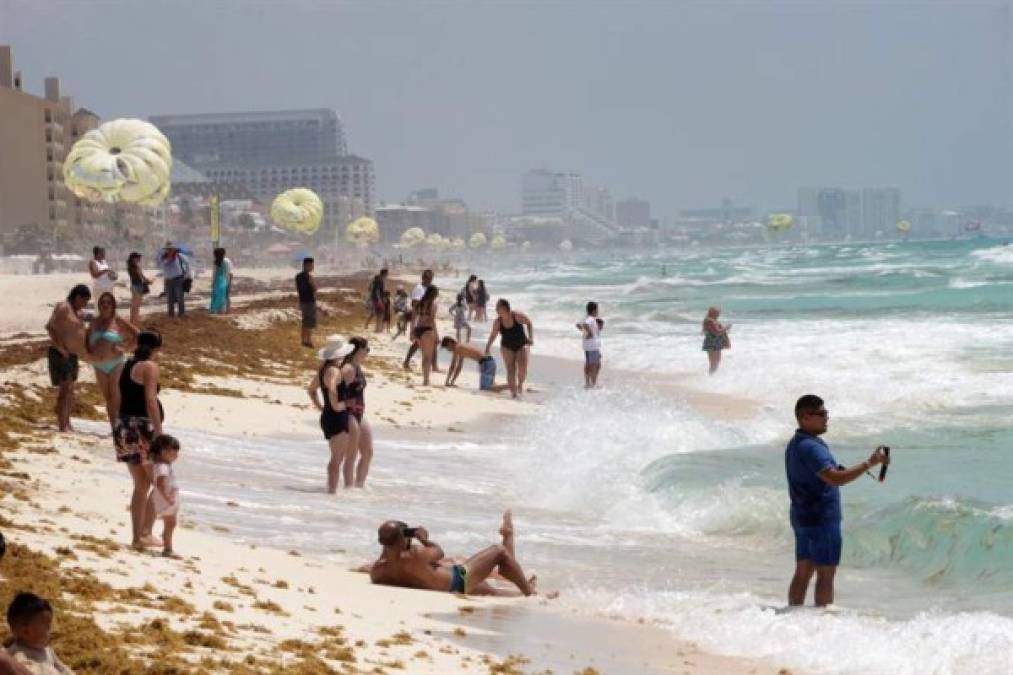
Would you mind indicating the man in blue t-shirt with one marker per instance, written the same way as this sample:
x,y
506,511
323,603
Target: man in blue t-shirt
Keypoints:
x,y
814,479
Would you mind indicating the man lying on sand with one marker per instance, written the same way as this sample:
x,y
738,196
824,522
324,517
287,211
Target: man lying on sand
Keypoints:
x,y
423,566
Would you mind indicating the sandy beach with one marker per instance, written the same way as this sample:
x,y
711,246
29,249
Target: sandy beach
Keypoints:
x,y
232,606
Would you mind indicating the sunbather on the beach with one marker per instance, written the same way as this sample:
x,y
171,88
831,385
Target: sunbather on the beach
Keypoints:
x,y
423,566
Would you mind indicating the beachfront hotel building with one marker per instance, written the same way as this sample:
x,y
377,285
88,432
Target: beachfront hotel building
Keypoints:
x,y
273,151
551,193
834,213
36,133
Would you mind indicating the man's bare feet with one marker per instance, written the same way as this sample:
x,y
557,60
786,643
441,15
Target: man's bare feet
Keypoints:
x,y
506,531
171,554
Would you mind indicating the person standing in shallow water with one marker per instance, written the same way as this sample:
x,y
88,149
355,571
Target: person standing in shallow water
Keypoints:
x,y
514,344
814,479
590,328
715,338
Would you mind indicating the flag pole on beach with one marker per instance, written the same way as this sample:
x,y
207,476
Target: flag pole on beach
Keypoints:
x,y
216,219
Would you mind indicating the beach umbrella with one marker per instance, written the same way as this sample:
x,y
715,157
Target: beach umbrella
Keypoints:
x,y
412,237
498,243
362,232
298,210
185,249
904,227
477,240
525,246
458,244
779,222
566,245
123,160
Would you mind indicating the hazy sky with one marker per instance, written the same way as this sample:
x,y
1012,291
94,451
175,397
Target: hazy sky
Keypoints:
x,y
681,103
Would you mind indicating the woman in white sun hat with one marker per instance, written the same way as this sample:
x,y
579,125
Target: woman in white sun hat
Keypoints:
x,y
334,412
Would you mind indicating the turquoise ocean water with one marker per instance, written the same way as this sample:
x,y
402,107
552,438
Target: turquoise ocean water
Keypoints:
x,y
639,505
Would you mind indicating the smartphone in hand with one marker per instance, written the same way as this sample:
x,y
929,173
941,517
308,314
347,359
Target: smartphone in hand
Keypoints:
x,y
883,467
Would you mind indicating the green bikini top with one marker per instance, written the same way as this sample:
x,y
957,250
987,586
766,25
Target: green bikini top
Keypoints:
x,y
107,335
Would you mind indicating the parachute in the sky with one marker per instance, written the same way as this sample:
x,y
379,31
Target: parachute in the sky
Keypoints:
x,y
779,222
362,232
298,210
904,226
412,237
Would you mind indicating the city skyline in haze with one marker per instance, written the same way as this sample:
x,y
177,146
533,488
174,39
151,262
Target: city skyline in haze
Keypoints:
x,y
680,104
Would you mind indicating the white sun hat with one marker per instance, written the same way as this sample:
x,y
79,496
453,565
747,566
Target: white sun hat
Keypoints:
x,y
336,347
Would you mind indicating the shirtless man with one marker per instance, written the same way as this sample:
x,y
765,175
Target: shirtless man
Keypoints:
x,y
486,365
66,335
423,566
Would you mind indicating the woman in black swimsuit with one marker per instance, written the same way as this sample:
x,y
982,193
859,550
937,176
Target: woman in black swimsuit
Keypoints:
x,y
513,345
352,391
139,420
425,330
334,410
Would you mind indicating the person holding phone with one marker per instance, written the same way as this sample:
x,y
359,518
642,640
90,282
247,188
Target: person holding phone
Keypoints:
x,y
814,481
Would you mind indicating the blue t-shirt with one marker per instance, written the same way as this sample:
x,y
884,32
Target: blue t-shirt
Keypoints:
x,y
814,502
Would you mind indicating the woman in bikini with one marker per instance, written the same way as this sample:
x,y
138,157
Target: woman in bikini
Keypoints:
x,y
715,338
139,422
425,330
335,417
352,390
140,286
513,345
108,337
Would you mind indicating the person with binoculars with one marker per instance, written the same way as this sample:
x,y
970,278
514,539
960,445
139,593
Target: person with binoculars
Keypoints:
x,y
424,565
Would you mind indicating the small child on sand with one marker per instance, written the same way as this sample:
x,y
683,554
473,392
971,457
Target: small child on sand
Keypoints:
x,y
165,497
401,309
31,622
460,313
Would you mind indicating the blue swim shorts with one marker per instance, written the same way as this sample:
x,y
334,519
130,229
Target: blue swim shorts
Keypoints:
x,y
820,544
592,358
486,373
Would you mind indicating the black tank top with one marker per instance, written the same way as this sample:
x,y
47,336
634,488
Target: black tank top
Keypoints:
x,y
513,337
132,401
328,410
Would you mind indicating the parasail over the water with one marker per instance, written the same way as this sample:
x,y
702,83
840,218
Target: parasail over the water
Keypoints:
x,y
124,160
904,226
298,210
477,240
566,245
362,232
412,237
780,222
498,243
435,240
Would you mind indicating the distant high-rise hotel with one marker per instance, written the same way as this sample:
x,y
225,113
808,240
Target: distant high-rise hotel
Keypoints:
x,y
839,213
551,193
633,213
270,152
